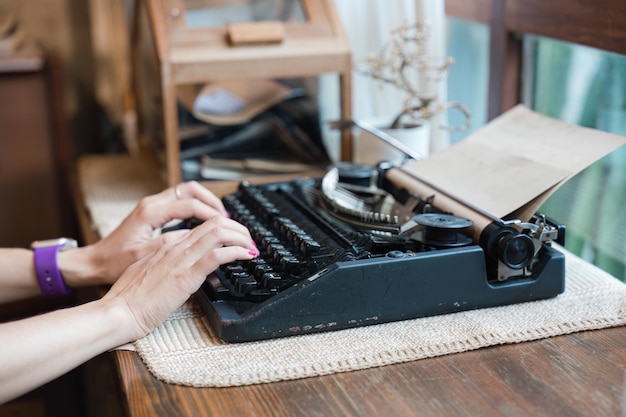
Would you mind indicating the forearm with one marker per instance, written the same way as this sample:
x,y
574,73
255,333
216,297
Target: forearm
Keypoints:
x,y
38,349
18,279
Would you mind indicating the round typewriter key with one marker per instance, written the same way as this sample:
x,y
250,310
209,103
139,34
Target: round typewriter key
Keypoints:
x,y
232,269
260,270
236,276
272,280
245,283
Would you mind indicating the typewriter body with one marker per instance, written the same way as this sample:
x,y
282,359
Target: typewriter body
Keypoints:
x,y
353,249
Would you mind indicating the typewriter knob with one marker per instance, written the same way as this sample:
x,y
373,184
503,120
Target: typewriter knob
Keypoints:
x,y
443,230
516,250
356,174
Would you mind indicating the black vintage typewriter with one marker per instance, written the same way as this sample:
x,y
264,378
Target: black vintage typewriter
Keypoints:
x,y
351,249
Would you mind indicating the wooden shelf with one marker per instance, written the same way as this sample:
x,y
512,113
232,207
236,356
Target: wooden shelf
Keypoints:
x,y
170,54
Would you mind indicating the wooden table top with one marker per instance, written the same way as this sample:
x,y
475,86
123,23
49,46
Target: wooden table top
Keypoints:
x,y
581,374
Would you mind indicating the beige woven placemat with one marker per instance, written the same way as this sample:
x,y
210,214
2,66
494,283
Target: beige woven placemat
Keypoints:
x,y
183,350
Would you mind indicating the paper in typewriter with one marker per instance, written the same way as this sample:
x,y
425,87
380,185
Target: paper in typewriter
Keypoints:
x,y
508,168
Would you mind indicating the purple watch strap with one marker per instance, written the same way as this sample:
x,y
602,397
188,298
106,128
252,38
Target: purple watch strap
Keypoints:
x,y
48,274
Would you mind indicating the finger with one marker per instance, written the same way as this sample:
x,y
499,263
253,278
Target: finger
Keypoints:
x,y
155,213
161,208
228,234
227,223
202,241
183,209
193,189
217,232
208,263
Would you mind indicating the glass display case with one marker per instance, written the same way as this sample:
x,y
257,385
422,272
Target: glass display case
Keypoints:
x,y
183,43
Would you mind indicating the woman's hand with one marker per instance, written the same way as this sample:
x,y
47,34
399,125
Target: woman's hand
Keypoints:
x,y
157,276
104,261
153,287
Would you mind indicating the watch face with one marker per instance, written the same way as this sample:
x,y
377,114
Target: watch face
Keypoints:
x,y
62,242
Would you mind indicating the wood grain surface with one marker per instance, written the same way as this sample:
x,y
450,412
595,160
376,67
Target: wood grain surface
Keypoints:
x,y
580,374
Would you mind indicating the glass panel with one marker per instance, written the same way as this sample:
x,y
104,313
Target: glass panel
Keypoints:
x,y
587,87
468,78
214,14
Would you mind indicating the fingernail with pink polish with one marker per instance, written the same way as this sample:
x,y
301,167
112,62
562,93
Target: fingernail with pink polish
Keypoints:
x,y
227,215
253,252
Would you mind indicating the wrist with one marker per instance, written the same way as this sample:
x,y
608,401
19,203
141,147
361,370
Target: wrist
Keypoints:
x,y
127,327
80,267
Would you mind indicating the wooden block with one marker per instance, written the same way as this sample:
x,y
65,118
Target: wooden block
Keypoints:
x,y
256,33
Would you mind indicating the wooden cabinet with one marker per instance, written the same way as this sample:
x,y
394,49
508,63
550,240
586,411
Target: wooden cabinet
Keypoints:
x,y
169,53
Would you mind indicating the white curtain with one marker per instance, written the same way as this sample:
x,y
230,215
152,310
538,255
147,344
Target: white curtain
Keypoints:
x,y
368,25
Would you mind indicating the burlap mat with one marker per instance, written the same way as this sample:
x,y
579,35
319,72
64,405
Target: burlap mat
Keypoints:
x,y
183,350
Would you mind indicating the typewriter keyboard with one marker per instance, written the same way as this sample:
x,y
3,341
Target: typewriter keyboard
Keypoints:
x,y
294,242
